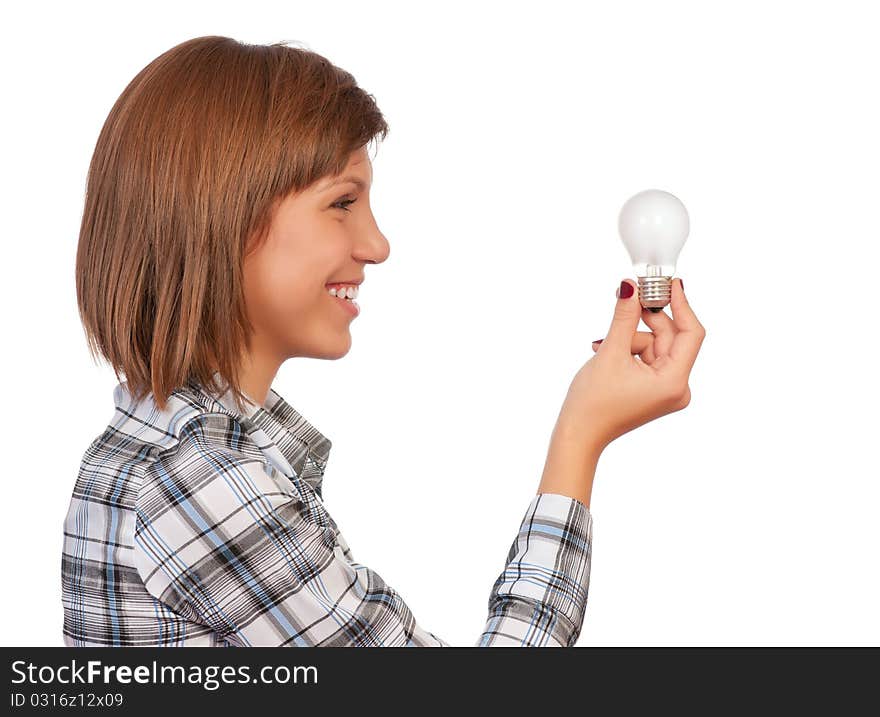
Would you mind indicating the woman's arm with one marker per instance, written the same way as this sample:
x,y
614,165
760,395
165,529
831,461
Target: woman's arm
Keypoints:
x,y
571,463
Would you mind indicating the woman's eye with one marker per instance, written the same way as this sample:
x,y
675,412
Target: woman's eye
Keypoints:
x,y
346,202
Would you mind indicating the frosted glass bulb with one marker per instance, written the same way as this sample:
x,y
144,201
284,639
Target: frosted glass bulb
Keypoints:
x,y
654,226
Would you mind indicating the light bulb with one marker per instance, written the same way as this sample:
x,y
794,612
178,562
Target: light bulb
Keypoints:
x,y
654,226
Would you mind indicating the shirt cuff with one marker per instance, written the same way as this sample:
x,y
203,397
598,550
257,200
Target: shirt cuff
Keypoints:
x,y
549,561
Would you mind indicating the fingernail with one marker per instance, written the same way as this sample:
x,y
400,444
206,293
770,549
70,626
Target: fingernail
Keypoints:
x,y
681,281
598,341
625,290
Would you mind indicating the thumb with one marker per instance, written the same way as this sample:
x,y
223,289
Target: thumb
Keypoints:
x,y
627,313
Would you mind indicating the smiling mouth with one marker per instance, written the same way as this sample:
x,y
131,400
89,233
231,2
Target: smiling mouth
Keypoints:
x,y
350,305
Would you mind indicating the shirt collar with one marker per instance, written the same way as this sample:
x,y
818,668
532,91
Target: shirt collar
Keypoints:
x,y
305,448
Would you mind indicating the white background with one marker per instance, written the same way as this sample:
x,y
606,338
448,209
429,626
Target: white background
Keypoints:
x,y
517,132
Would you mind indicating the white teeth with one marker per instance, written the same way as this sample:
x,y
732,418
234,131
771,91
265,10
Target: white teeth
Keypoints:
x,y
345,292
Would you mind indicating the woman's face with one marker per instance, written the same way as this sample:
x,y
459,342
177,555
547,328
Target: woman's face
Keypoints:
x,y
322,235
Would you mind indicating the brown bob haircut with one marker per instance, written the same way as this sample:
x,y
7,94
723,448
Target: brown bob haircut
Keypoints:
x,y
189,167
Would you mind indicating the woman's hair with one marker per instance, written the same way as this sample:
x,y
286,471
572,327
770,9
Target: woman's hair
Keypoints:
x,y
188,169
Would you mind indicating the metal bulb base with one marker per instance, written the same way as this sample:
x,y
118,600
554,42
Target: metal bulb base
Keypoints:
x,y
655,292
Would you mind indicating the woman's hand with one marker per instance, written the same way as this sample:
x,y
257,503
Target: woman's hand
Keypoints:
x,y
615,392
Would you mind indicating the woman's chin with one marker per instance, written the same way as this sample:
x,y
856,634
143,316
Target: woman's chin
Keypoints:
x,y
336,348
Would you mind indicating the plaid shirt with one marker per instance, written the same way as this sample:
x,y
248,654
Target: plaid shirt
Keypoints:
x,y
202,526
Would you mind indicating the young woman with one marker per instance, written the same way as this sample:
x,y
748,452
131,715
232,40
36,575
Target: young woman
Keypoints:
x,y
226,228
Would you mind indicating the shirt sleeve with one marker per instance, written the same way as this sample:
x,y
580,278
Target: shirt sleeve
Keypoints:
x,y
225,541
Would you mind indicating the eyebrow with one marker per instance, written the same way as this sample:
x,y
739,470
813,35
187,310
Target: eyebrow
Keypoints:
x,y
342,180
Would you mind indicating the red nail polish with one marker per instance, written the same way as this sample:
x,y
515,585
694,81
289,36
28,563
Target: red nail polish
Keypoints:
x,y
625,291
598,341
681,281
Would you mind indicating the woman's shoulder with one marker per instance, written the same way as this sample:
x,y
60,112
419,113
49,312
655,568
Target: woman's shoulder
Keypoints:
x,y
198,435
140,432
